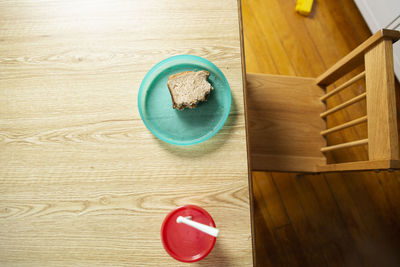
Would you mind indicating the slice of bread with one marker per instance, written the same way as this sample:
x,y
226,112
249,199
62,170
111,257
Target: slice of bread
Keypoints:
x,y
189,88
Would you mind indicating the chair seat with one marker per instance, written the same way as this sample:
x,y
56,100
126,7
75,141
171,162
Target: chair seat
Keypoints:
x,y
283,123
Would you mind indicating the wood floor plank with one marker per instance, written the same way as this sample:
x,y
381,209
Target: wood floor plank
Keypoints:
x,y
369,229
342,22
315,66
274,205
269,250
391,186
335,223
269,37
328,226
289,42
263,241
352,12
302,225
332,254
293,250
374,184
255,46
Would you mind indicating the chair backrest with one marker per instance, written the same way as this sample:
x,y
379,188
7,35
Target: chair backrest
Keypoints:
x,y
376,54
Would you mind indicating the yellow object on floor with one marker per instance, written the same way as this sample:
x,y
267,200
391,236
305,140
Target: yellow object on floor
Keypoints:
x,y
303,7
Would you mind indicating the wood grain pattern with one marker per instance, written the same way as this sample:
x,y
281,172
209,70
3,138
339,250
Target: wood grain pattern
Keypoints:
x,y
82,181
381,103
350,219
284,126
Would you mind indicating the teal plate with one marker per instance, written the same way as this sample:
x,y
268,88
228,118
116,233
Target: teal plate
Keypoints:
x,y
188,126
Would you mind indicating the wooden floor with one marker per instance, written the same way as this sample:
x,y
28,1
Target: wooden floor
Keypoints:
x,y
347,219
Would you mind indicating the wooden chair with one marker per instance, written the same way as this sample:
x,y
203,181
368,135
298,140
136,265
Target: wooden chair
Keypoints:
x,y
285,115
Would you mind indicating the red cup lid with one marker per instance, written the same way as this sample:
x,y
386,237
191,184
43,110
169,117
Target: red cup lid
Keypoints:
x,y
182,242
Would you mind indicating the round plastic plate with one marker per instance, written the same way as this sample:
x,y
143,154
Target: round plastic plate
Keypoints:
x,y
183,242
188,126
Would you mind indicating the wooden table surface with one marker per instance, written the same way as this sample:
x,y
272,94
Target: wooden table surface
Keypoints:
x,y
82,180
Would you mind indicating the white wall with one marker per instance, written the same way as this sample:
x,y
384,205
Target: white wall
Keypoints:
x,y
383,14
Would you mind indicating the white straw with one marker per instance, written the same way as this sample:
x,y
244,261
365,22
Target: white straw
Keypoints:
x,y
199,226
